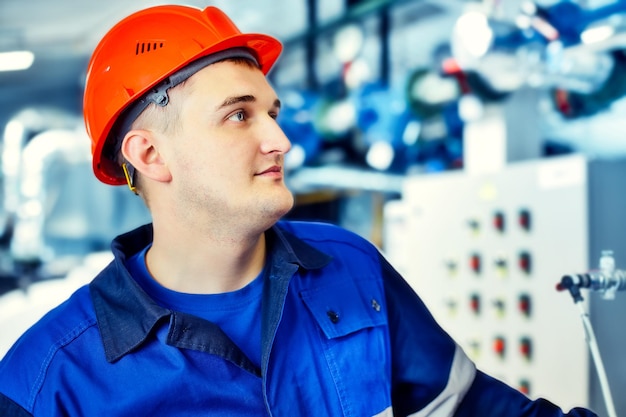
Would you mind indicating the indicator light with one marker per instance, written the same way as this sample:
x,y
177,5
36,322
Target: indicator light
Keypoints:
x,y
499,221
525,262
451,266
475,263
500,307
499,346
524,304
502,266
475,303
523,219
524,386
451,305
525,347
474,226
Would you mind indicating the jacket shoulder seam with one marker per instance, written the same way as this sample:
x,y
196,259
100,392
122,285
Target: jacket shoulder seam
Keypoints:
x,y
55,347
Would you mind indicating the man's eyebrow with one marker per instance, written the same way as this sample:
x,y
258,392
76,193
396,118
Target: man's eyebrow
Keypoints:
x,y
235,100
243,99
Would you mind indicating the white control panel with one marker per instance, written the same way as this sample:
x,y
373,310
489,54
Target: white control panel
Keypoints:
x,y
485,252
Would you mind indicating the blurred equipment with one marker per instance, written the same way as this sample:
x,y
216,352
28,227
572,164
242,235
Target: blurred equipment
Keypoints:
x,y
297,119
607,280
562,46
57,211
18,132
62,209
482,248
388,130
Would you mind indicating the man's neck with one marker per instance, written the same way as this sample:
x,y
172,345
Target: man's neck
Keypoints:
x,y
205,265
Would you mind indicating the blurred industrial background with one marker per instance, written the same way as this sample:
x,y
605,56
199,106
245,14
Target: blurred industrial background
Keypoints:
x,y
480,144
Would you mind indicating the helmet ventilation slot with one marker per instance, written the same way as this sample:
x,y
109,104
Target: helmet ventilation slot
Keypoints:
x,y
144,47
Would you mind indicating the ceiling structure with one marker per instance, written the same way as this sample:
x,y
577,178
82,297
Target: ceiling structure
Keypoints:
x,y
63,33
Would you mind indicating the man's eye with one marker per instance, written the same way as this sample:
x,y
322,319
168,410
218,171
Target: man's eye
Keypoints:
x,y
238,117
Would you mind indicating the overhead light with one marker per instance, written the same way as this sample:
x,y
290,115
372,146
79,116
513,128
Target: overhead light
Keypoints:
x,y
16,60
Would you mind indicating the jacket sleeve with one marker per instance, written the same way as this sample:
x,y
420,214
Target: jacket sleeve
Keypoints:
x,y
430,372
490,397
432,376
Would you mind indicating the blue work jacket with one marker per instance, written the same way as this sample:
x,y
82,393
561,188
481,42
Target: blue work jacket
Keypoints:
x,y
342,335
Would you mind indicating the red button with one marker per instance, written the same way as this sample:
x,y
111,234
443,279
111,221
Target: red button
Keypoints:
x,y
499,346
525,262
524,386
525,347
475,263
524,219
498,221
475,303
524,304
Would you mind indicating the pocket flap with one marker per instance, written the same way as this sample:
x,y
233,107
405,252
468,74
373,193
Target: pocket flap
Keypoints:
x,y
345,307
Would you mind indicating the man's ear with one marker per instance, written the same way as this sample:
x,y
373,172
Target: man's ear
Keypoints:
x,y
139,150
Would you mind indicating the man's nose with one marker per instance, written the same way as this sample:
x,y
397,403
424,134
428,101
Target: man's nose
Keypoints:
x,y
274,139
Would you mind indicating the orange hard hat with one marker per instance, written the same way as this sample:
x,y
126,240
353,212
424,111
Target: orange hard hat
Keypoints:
x,y
150,48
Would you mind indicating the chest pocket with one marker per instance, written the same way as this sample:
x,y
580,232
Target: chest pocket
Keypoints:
x,y
346,307
354,337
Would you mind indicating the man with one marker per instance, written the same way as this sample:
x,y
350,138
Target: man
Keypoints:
x,y
218,307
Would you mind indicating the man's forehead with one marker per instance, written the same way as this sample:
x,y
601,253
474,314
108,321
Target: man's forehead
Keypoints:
x,y
229,83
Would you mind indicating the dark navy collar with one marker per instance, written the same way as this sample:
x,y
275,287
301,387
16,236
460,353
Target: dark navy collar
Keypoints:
x,y
127,315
